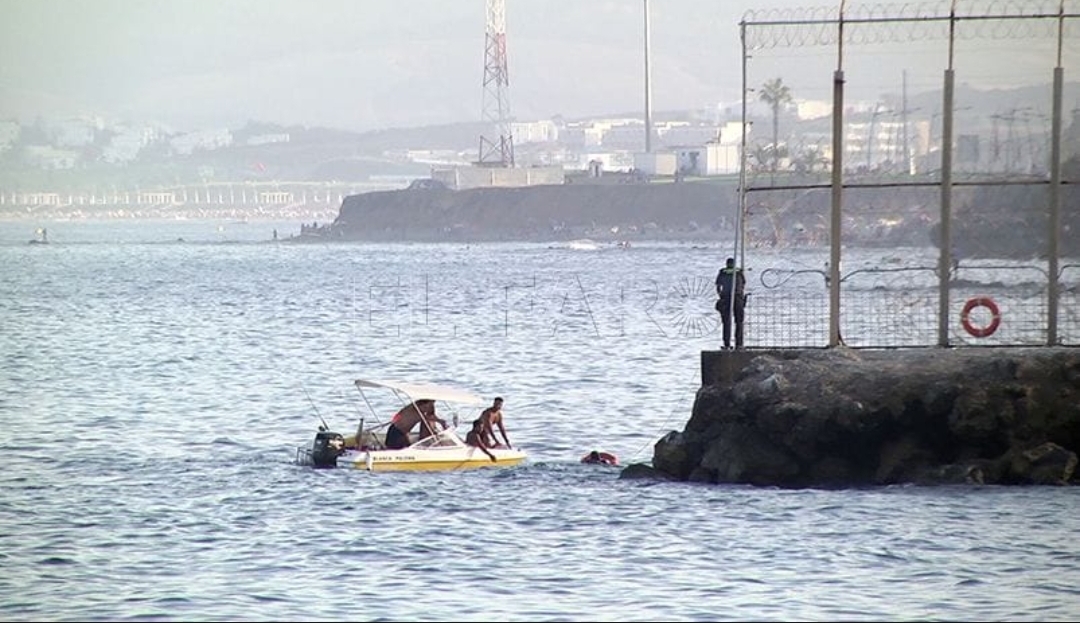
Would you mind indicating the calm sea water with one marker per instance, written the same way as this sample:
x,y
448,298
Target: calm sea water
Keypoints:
x,y
153,391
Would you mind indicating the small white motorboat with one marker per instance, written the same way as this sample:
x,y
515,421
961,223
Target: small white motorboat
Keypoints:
x,y
442,450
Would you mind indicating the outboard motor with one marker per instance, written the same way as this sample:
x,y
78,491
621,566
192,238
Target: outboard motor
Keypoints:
x,y
326,448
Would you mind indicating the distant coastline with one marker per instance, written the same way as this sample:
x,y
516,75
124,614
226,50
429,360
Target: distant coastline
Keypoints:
x,y
238,200
690,210
229,212
986,221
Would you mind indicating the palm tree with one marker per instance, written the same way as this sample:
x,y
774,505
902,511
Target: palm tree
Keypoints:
x,y
776,94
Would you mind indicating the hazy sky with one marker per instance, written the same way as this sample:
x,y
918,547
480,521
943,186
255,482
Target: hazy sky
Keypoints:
x,y
368,64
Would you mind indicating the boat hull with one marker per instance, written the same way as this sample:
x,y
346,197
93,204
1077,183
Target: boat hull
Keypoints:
x,y
420,460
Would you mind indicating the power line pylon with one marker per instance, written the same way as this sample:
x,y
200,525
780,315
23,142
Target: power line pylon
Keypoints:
x,y
496,102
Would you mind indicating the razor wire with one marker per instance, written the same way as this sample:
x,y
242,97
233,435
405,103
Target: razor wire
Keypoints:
x,y
885,23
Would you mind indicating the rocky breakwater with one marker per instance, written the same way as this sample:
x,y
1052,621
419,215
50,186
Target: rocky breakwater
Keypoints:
x,y
614,208
689,210
845,418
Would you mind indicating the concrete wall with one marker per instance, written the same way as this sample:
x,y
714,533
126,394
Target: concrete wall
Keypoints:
x,y
461,178
720,367
656,163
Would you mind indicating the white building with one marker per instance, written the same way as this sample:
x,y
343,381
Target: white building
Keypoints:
x,y
684,133
534,132
582,135
708,159
874,145
731,133
266,139
205,140
598,162
628,136
74,132
812,109
127,143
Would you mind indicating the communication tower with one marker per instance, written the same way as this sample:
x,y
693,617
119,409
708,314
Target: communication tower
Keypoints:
x,y
496,102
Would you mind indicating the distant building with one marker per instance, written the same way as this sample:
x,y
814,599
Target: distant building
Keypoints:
x,y
731,133
37,199
582,135
874,145
156,198
656,163
125,146
598,162
276,197
707,160
812,109
9,133
49,157
266,139
626,136
684,133
733,110
74,132
203,140
534,132
433,157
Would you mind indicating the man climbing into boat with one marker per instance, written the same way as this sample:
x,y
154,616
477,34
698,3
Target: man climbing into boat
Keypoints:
x,y
475,438
430,423
491,417
397,435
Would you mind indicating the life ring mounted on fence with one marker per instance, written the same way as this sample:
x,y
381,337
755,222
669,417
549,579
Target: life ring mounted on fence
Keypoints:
x,y
995,316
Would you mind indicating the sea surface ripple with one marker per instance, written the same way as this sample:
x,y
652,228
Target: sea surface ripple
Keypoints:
x,y
157,378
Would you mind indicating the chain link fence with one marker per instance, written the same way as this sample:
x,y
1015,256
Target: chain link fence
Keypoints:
x,y
933,135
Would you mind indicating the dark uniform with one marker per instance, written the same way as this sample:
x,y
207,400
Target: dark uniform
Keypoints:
x,y
729,281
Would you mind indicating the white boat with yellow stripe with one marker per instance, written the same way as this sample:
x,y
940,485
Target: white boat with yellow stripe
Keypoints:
x,y
436,447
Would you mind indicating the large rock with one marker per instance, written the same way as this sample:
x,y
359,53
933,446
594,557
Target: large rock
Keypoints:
x,y
840,418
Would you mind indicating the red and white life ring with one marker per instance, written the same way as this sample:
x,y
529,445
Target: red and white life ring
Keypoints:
x,y
995,316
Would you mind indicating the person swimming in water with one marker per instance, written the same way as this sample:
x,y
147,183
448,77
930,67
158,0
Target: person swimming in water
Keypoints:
x,y
600,458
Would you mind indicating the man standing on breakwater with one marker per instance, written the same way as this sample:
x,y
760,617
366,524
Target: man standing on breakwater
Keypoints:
x,y
730,282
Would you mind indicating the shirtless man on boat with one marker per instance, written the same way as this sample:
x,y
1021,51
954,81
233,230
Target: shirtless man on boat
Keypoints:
x,y
476,438
491,417
420,412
